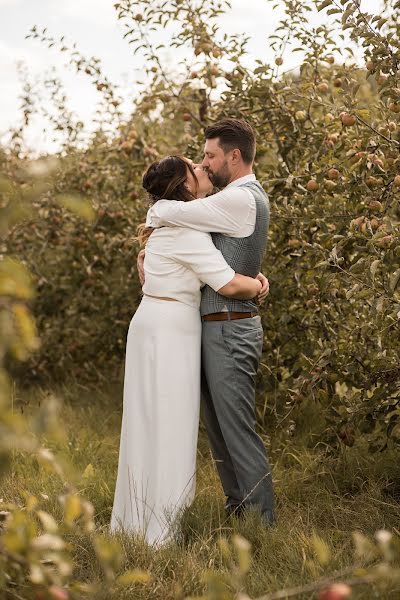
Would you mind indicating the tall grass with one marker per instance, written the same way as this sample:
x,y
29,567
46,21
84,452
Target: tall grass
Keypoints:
x,y
318,494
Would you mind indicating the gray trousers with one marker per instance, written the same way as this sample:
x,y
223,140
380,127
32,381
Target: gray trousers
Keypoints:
x,y
231,353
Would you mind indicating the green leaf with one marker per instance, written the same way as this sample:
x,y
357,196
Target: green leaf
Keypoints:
x,y
394,280
78,205
324,5
373,268
321,549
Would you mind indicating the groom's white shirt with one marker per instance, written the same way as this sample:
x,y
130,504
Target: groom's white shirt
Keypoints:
x,y
231,211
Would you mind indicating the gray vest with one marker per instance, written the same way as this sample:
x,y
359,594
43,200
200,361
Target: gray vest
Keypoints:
x,y
244,255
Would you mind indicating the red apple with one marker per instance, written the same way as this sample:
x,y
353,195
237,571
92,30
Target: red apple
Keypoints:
x,y
347,119
336,591
312,185
333,174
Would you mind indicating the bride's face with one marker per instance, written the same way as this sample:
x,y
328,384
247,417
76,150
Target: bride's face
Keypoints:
x,y
203,186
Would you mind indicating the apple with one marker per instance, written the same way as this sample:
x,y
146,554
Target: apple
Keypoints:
x,y
394,107
378,162
332,139
382,77
147,151
323,87
300,115
356,222
279,61
337,82
127,145
375,206
374,224
312,289
372,181
187,116
58,593
336,591
312,185
347,119
333,174
396,181
392,126
384,242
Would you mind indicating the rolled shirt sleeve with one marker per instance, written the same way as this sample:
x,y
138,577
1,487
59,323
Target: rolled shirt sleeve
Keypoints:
x,y
197,252
231,212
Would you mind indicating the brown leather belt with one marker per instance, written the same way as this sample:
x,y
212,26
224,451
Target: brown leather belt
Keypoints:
x,y
228,316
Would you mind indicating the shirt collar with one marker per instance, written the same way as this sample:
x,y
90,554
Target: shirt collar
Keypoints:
x,y
242,180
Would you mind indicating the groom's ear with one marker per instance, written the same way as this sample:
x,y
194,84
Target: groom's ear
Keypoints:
x,y
236,156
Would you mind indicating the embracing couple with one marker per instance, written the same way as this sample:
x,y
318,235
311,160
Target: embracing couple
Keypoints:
x,y
197,328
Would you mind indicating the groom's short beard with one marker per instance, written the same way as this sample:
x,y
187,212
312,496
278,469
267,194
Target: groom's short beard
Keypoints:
x,y
221,178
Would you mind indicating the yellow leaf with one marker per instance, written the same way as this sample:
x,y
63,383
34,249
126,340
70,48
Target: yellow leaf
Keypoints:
x,y
134,576
15,279
31,503
88,473
26,327
72,508
321,549
48,522
243,548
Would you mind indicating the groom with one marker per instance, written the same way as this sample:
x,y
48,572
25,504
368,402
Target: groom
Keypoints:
x,y
232,334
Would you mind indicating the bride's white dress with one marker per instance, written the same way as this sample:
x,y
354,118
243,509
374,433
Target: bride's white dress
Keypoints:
x,y
157,459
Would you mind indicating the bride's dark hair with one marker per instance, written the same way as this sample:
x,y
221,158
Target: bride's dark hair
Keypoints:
x,y
166,179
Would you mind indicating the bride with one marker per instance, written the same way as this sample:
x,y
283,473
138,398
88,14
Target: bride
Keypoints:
x,y
157,459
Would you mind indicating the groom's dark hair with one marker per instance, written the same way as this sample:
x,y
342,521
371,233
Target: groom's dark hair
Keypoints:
x,y
234,133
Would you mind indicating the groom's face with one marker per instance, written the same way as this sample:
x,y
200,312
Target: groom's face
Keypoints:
x,y
216,163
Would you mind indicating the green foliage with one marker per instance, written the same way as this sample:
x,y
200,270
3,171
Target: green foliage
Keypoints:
x,y
328,143
35,555
321,499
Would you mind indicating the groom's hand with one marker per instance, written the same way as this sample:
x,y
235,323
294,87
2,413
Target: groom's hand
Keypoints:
x,y
264,289
140,266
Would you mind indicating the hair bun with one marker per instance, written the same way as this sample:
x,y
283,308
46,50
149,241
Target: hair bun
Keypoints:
x,y
150,178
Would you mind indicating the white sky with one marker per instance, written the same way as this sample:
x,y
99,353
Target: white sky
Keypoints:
x,y
93,25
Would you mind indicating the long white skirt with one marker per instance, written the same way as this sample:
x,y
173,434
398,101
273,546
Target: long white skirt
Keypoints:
x,y
157,457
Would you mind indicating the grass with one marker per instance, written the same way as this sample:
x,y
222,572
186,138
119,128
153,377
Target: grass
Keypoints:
x,y
317,495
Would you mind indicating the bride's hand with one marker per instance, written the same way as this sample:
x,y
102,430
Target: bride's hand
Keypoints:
x,y
263,293
140,266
